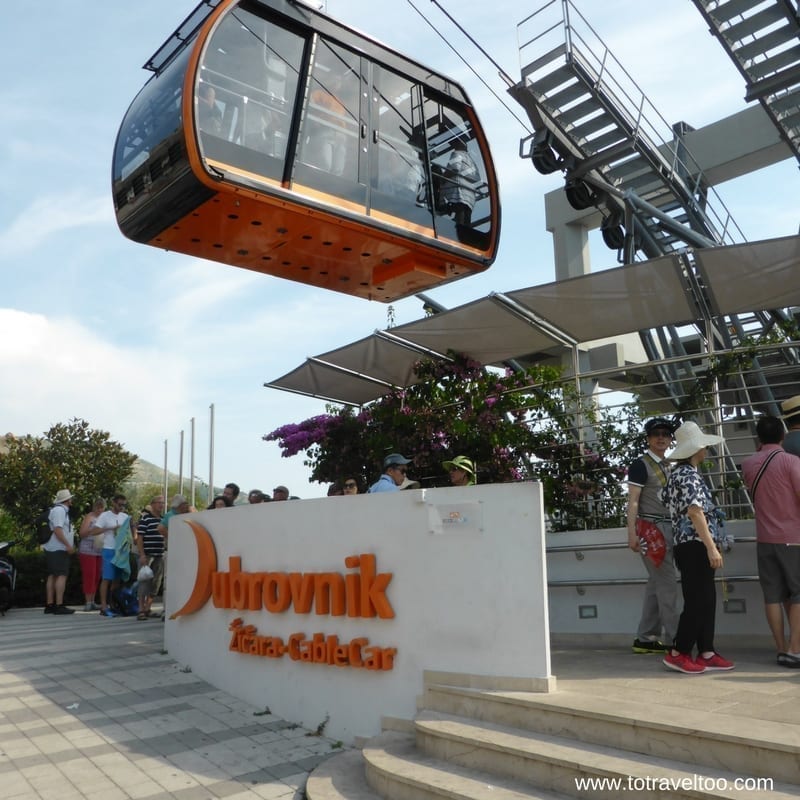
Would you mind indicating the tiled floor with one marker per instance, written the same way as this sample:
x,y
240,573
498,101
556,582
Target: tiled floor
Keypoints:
x,y
94,708
756,689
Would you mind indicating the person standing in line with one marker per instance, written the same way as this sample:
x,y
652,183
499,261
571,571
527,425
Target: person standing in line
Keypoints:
x,y
773,480
150,545
696,533
220,501
647,476
394,473
108,523
90,555
280,493
256,496
791,416
350,487
230,493
57,551
179,505
462,471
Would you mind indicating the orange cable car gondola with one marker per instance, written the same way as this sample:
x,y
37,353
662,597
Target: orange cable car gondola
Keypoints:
x,y
274,138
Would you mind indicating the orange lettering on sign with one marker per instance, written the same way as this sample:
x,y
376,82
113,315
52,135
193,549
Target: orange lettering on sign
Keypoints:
x,y
319,649
358,594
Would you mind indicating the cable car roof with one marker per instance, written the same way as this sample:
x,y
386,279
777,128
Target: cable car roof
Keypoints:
x,y
184,33
180,36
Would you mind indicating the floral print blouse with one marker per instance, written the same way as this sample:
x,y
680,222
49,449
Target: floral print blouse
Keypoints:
x,y
684,488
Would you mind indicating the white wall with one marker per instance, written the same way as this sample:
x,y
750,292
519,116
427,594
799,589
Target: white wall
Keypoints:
x,y
618,607
469,597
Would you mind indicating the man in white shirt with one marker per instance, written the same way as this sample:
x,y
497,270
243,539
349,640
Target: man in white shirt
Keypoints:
x,y
57,551
108,523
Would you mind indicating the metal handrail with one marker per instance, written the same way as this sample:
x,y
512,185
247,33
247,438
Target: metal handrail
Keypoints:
x,y
576,548
642,581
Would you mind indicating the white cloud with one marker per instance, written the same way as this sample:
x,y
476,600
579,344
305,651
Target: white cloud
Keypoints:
x,y
49,215
54,370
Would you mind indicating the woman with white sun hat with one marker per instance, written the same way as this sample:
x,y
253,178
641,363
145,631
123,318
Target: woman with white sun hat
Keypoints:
x,y
698,538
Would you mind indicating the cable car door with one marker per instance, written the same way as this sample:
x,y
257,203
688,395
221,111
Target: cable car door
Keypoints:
x,y
331,155
398,187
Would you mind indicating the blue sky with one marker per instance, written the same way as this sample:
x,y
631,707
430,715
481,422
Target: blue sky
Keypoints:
x,y
138,341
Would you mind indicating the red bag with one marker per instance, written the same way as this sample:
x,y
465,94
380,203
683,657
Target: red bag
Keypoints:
x,y
651,541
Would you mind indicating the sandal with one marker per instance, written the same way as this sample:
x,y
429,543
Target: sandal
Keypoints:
x,y
142,616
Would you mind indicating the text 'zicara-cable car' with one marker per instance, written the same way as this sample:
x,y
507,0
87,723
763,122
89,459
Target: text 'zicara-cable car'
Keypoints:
x,y
273,138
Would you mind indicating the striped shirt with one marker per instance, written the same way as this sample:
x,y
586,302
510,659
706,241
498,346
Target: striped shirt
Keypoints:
x,y
152,540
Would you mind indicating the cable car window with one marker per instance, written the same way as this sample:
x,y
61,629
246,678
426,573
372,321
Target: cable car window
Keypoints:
x,y
246,93
461,191
328,157
153,118
398,172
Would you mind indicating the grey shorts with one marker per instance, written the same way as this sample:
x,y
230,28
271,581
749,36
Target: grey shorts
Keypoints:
x,y
56,562
144,590
779,572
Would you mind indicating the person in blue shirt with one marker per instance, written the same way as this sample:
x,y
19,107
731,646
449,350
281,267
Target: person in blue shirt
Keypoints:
x,y
394,473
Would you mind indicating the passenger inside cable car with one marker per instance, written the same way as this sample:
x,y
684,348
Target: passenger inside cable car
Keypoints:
x,y
311,153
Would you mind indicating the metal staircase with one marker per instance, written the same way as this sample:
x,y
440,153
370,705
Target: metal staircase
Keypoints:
x,y
593,123
762,37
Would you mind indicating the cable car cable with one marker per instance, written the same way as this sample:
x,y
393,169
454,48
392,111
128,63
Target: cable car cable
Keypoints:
x,y
466,63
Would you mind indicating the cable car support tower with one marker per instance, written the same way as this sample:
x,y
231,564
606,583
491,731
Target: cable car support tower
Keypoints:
x,y
633,175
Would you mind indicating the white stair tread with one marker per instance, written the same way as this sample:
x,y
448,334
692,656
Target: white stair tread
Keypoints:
x,y
395,756
580,757
340,778
717,725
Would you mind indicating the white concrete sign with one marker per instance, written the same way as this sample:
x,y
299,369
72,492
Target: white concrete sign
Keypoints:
x,y
333,607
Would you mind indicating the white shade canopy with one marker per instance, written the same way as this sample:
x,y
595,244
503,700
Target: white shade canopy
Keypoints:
x,y
542,320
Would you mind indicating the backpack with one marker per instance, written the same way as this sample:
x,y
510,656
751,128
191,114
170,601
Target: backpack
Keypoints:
x,y
42,524
125,601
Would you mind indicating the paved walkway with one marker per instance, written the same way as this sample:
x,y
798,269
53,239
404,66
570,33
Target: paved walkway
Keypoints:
x,y
94,708
758,689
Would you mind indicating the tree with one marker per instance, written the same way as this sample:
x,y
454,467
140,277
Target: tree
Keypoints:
x,y
71,456
527,425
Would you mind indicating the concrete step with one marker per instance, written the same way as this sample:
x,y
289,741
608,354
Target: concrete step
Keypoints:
x,y
707,739
340,778
398,770
575,768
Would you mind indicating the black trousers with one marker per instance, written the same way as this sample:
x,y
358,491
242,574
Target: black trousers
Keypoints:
x,y
696,625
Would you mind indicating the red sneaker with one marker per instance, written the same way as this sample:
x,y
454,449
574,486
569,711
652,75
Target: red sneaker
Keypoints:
x,y
683,662
715,662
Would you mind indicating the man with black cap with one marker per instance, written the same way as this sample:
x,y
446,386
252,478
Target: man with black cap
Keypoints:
x,y
394,473
646,478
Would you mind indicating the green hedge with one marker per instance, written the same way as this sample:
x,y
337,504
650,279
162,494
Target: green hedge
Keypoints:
x,y
32,577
